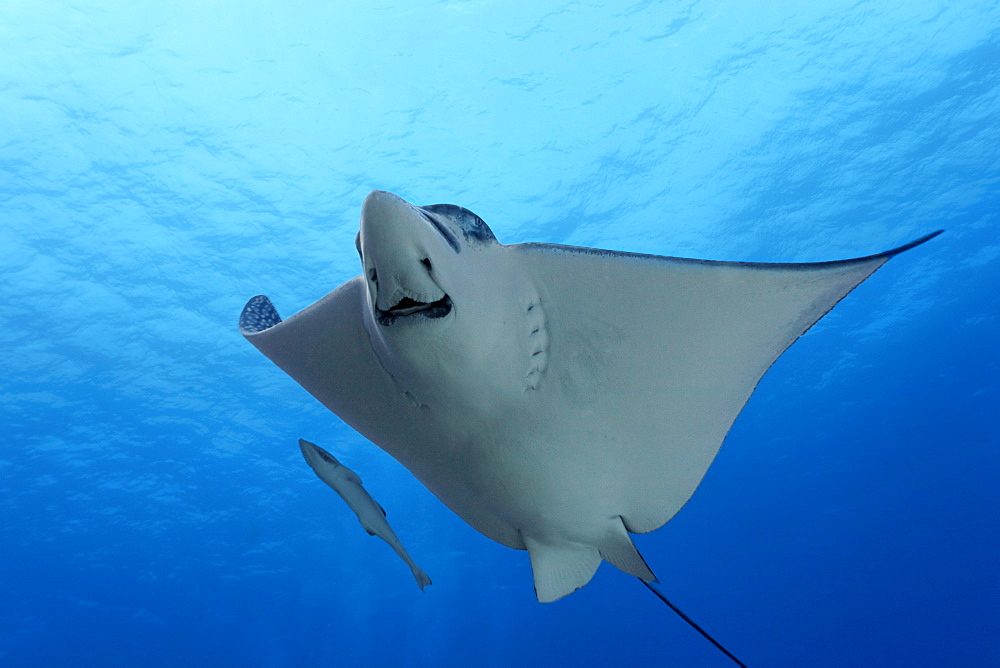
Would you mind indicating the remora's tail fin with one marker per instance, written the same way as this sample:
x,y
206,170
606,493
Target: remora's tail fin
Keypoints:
x,y
422,578
656,590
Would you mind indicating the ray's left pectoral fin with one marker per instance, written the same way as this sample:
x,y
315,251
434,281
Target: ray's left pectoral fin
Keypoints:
x,y
326,349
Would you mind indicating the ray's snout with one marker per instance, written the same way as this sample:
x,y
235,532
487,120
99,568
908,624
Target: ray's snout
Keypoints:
x,y
396,249
382,205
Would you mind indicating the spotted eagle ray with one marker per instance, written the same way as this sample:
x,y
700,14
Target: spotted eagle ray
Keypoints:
x,y
556,398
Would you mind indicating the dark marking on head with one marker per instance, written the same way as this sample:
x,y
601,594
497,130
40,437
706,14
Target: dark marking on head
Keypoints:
x,y
473,227
442,230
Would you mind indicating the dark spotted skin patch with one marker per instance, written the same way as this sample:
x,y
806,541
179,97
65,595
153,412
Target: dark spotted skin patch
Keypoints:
x,y
259,314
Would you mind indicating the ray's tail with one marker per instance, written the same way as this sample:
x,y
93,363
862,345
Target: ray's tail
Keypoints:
x,y
656,590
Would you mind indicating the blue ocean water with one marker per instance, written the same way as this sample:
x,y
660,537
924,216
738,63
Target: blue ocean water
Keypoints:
x,y
160,163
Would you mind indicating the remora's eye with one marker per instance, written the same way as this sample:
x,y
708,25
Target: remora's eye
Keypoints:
x,y
373,276
427,263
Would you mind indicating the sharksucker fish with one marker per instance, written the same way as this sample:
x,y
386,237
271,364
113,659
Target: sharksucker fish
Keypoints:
x,y
347,484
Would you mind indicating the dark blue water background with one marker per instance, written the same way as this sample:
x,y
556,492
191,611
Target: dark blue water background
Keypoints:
x,y
160,163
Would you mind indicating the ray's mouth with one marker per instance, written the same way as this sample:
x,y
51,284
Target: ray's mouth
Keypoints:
x,y
409,308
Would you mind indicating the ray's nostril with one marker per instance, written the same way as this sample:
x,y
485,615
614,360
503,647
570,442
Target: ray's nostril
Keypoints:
x,y
427,263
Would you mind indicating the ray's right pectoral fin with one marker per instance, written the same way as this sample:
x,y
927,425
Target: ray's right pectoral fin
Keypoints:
x,y
560,567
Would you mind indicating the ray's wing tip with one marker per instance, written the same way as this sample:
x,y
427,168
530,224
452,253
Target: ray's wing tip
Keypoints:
x,y
913,244
258,315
